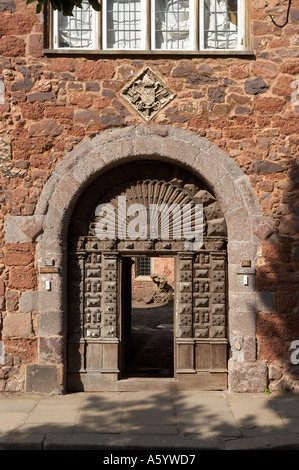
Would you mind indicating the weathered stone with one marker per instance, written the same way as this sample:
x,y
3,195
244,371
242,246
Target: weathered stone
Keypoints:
x,y
242,110
92,86
41,97
269,105
254,86
247,377
22,277
11,46
95,70
200,79
263,231
41,379
289,225
250,349
216,94
48,127
17,325
18,254
112,120
265,167
264,69
12,300
87,117
274,373
24,84
183,71
14,228
51,350
16,23
7,5
36,45
32,229
49,323
28,302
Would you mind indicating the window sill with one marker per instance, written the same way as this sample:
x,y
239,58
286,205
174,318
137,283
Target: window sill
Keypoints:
x,y
123,52
143,278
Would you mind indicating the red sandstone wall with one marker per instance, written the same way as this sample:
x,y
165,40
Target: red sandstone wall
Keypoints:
x,y
243,105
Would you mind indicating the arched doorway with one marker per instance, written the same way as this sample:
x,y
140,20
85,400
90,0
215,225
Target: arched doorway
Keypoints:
x,y
77,171
145,209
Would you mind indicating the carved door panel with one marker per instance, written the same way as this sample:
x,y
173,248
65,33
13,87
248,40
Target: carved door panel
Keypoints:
x,y
201,318
93,314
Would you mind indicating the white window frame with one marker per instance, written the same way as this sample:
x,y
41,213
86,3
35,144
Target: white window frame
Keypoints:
x,y
105,30
95,43
191,29
241,29
196,24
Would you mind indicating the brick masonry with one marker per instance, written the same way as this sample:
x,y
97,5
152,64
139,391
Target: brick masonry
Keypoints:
x,y
245,106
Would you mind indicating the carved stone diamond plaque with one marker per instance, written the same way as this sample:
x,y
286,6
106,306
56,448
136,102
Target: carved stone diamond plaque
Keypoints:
x,y
147,94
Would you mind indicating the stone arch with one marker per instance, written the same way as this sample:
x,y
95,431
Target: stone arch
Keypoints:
x,y
76,171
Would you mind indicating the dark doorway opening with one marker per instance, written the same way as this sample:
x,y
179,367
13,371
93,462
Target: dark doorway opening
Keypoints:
x,y
147,317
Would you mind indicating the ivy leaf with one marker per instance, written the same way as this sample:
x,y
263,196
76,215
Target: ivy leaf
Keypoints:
x,y
65,6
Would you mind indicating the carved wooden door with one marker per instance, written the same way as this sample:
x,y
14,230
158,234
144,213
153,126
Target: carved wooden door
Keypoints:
x,y
96,310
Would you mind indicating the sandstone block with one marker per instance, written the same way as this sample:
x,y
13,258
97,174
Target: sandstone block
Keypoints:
x,y
48,127
87,117
32,229
263,231
41,379
247,377
254,86
270,105
51,350
28,302
112,120
289,225
264,69
250,349
50,324
17,325
41,97
265,167
12,46
14,226
36,46
18,254
95,70
22,277
7,5
92,86
216,94
24,84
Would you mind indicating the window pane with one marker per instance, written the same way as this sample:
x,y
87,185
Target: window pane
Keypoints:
x,y
172,24
76,31
123,24
220,24
143,266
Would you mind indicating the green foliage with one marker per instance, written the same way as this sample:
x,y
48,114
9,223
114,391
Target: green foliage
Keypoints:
x,y
65,6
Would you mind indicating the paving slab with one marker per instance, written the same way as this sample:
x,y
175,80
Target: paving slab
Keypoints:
x,y
100,413
255,416
150,420
149,413
286,405
206,414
